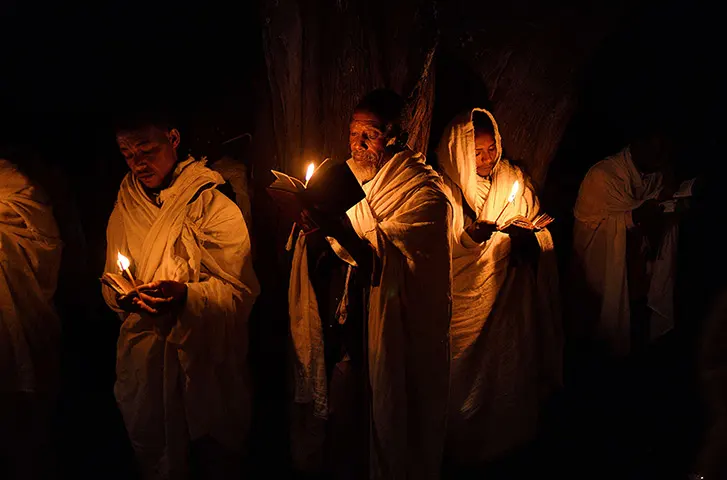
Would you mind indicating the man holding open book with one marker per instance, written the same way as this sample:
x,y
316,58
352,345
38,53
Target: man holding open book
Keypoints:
x,y
396,245
624,244
506,333
181,360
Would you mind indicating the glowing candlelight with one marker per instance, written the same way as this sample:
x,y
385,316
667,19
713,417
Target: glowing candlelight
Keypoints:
x,y
513,192
510,199
124,264
309,172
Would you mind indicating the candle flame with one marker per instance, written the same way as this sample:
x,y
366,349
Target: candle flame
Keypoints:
x,y
123,262
513,192
309,172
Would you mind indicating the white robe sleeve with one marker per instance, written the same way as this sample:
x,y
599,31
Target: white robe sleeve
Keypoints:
x,y
228,286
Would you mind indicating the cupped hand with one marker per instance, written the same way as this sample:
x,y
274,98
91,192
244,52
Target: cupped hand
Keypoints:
x,y
481,231
161,296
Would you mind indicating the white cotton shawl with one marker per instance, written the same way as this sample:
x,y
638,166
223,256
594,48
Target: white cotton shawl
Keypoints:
x,y
611,190
30,256
506,332
405,217
183,377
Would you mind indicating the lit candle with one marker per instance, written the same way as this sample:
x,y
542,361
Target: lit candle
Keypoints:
x,y
124,264
510,199
309,172
513,192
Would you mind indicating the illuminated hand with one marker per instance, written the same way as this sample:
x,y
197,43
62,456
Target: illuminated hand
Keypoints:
x,y
481,231
306,222
126,302
161,297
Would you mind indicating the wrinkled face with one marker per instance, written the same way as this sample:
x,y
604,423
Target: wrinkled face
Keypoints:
x,y
151,154
367,139
485,153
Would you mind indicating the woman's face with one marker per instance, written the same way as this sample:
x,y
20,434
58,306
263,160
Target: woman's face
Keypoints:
x,y
485,153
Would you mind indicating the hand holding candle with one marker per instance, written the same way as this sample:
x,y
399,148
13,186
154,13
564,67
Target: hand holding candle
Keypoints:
x,y
510,198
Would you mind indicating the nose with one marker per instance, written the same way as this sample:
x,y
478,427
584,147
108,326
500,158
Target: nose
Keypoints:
x,y
138,163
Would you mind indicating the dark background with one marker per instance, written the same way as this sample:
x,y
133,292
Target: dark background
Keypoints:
x,y
568,81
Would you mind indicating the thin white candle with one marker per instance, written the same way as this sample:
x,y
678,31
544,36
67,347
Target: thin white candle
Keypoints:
x,y
124,264
309,172
510,199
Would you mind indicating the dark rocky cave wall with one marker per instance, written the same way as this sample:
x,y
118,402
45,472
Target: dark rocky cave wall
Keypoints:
x,y
322,56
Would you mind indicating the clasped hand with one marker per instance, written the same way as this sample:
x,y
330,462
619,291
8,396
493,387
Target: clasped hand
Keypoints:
x,y
340,229
156,298
481,231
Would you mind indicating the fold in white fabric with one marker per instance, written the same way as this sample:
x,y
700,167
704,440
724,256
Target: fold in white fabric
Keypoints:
x,y
506,324
30,257
611,190
184,377
405,217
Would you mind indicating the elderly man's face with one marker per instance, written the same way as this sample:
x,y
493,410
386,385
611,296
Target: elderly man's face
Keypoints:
x,y
151,154
367,139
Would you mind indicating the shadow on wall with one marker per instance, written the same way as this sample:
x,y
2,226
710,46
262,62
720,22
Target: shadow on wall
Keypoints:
x,y
629,83
457,89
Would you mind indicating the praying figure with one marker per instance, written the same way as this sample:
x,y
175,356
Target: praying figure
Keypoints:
x,y
391,323
181,368
506,334
624,246
30,330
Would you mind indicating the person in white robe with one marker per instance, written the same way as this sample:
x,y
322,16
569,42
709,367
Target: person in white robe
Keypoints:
x,y
506,329
624,248
182,383
399,234
30,258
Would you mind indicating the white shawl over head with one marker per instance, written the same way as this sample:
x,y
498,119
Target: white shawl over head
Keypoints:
x,y
506,333
456,154
187,380
611,190
405,217
30,256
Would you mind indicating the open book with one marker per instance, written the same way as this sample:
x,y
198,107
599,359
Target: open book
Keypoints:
x,y
539,223
117,282
684,191
332,189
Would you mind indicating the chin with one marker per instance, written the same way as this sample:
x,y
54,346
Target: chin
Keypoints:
x,y
151,183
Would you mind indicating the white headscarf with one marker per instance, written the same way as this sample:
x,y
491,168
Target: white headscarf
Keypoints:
x,y
458,160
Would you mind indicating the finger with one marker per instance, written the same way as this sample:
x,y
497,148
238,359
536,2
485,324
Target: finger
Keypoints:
x,y
154,301
151,285
143,306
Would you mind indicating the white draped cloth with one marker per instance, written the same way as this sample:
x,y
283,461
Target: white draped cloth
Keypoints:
x,y
506,325
183,377
30,257
405,217
611,190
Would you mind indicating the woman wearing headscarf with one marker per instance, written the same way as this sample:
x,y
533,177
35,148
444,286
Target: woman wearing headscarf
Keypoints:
x,y
505,332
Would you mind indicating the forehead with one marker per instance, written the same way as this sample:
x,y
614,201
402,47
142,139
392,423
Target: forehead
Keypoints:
x,y
140,136
484,138
363,118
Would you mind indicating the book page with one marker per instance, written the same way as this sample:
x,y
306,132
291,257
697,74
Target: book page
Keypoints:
x,y
117,282
518,221
685,189
286,183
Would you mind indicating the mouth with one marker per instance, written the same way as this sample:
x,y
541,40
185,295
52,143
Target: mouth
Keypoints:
x,y
364,156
